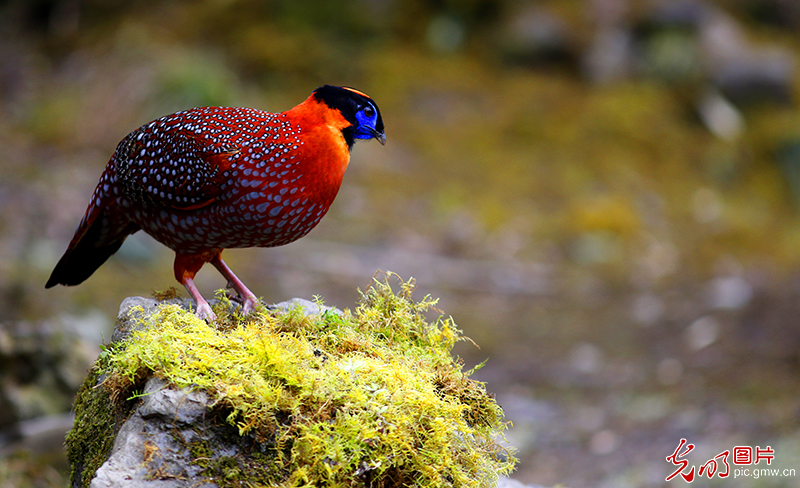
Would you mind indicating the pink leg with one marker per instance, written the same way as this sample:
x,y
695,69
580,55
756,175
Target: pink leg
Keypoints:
x,y
249,300
203,308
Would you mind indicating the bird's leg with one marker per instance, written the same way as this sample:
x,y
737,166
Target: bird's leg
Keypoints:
x,y
186,267
249,300
203,308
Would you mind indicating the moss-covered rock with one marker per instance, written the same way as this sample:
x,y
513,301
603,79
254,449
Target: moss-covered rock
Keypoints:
x,y
371,397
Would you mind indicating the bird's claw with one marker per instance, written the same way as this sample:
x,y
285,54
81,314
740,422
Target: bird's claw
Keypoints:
x,y
204,312
249,304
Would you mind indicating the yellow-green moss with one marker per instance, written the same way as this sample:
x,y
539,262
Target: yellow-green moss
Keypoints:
x,y
371,397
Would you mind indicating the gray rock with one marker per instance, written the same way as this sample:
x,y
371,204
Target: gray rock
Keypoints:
x,y
308,307
148,442
184,405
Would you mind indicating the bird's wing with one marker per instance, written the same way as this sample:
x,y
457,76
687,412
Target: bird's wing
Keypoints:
x,y
170,163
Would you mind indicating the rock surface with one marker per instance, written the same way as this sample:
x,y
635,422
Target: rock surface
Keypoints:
x,y
147,442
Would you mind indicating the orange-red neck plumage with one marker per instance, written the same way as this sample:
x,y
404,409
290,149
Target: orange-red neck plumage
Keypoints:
x,y
326,154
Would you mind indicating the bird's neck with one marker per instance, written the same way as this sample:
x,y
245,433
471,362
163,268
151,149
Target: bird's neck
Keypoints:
x,y
324,144
313,113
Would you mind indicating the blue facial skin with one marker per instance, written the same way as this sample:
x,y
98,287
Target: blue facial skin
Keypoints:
x,y
367,118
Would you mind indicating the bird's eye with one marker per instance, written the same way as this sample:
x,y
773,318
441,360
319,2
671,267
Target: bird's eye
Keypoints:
x,y
369,111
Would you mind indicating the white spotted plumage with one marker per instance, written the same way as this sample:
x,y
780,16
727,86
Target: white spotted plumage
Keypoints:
x,y
166,164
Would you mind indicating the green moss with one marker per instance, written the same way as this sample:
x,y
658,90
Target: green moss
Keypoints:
x,y
370,397
99,411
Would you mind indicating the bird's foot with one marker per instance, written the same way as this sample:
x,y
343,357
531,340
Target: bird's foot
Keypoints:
x,y
203,308
245,297
204,312
249,303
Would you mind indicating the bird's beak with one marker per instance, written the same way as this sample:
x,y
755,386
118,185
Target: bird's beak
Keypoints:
x,y
380,136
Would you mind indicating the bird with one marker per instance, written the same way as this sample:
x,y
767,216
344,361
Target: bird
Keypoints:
x,y
212,178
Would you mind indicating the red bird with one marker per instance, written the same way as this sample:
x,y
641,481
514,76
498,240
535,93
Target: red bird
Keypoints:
x,y
213,178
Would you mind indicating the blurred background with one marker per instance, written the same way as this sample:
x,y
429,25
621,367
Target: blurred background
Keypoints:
x,y
605,195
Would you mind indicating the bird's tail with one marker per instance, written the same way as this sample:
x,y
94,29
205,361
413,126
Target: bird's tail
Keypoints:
x,y
94,242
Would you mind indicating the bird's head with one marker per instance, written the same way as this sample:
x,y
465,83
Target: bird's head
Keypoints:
x,y
357,108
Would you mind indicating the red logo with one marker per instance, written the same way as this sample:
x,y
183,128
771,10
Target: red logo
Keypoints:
x,y
742,455
718,465
682,463
711,466
767,453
